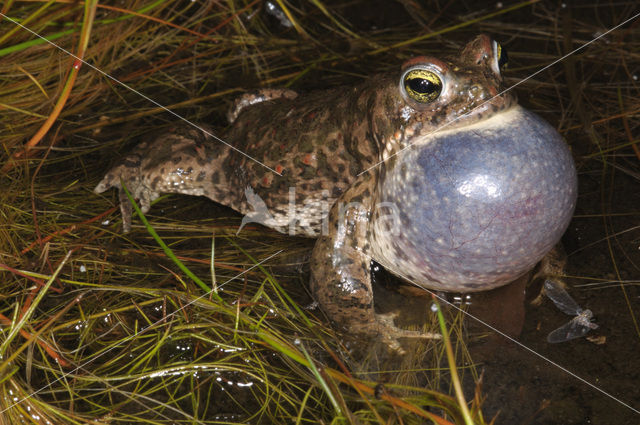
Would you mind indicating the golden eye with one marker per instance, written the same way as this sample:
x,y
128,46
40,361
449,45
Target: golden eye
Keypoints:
x,y
422,85
503,58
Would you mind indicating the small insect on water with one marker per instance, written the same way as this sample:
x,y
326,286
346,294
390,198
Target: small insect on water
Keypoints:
x,y
577,327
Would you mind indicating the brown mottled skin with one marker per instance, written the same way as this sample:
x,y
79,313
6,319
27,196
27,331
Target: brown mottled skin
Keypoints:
x,y
320,143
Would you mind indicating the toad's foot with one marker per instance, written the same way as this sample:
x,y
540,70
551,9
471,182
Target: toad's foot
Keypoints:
x,y
383,329
390,333
551,268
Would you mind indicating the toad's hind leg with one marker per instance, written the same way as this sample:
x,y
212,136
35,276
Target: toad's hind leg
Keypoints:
x,y
183,161
551,267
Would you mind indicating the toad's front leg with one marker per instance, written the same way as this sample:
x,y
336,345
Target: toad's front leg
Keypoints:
x,y
341,269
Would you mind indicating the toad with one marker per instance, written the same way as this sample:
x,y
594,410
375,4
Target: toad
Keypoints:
x,y
434,171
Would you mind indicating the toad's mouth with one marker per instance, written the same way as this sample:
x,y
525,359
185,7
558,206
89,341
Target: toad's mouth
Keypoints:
x,y
479,205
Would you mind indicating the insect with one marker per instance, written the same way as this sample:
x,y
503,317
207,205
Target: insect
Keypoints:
x,y
577,327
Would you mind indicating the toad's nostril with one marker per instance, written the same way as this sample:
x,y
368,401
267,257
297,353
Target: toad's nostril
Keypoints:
x,y
482,58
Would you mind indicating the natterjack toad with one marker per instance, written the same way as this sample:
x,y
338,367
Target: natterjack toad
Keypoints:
x,y
434,172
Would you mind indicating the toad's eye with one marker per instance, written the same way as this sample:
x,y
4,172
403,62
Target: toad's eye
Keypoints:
x,y
422,85
503,58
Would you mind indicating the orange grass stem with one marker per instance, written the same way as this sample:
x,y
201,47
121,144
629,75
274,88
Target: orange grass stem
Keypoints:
x,y
188,43
292,352
361,387
153,18
35,280
16,327
53,116
89,15
67,230
4,320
